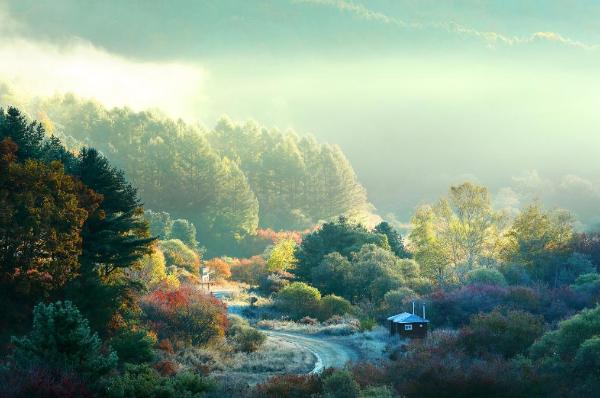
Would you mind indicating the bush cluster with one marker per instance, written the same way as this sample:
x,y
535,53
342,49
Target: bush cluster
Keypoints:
x,y
298,300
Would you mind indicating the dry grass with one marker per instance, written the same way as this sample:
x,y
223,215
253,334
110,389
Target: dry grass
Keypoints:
x,y
275,357
371,345
340,326
219,359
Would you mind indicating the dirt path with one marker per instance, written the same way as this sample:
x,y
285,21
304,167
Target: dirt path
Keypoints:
x,y
328,353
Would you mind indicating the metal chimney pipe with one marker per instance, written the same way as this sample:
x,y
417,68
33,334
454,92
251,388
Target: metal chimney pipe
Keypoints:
x,y
424,311
413,307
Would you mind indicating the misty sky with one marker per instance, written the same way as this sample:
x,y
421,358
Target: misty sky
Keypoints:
x,y
419,94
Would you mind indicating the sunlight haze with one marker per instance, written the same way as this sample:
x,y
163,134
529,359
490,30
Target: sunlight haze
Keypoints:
x,y
418,97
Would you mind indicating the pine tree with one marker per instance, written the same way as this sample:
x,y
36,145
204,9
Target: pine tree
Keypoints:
x,y
185,231
114,238
61,339
29,136
116,235
394,239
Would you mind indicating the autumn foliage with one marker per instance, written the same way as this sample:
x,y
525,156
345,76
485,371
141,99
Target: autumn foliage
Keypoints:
x,y
42,212
248,270
290,386
220,267
185,315
276,236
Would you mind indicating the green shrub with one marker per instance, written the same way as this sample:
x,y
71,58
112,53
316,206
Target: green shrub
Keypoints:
x,y
185,231
367,324
396,301
236,322
377,392
485,276
242,336
248,339
340,384
179,255
141,381
569,356
134,346
331,305
298,300
587,283
274,282
567,339
507,334
61,338
515,274
588,356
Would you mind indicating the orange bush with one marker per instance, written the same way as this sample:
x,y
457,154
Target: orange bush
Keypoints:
x,y
248,270
166,368
220,267
291,386
276,236
166,345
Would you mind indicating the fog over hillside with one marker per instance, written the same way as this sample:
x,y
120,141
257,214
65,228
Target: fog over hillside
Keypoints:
x,y
503,93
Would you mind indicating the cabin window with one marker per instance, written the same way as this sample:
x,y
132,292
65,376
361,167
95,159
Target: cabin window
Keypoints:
x,y
407,327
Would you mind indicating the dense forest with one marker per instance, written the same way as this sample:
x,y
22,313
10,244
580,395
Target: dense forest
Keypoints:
x,y
228,181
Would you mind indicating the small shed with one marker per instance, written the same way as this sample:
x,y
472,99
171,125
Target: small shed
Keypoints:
x,y
408,325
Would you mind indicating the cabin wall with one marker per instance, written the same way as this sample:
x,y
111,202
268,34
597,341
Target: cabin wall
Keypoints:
x,y
419,329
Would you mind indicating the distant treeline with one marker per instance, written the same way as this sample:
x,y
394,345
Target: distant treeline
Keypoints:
x,y
228,181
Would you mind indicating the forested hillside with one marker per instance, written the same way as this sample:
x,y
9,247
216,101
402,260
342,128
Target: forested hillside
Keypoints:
x,y
227,181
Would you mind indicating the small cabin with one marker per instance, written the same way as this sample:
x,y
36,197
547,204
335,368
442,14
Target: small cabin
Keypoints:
x,y
408,325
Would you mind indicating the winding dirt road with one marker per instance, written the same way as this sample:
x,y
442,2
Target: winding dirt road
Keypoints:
x,y
328,353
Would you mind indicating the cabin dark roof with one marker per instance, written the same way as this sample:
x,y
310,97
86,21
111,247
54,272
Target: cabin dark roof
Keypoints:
x,y
406,317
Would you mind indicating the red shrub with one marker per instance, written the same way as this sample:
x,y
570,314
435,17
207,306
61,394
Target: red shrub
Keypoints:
x,y
455,308
366,374
186,314
290,386
166,345
43,383
276,236
166,368
248,270
308,321
523,297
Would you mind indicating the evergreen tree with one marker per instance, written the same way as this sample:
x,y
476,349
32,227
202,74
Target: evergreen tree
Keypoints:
x,y
28,136
185,231
160,223
340,236
394,239
116,235
114,238
61,338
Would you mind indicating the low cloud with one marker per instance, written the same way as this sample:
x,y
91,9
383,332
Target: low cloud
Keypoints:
x,y
532,182
489,38
572,192
36,68
508,200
